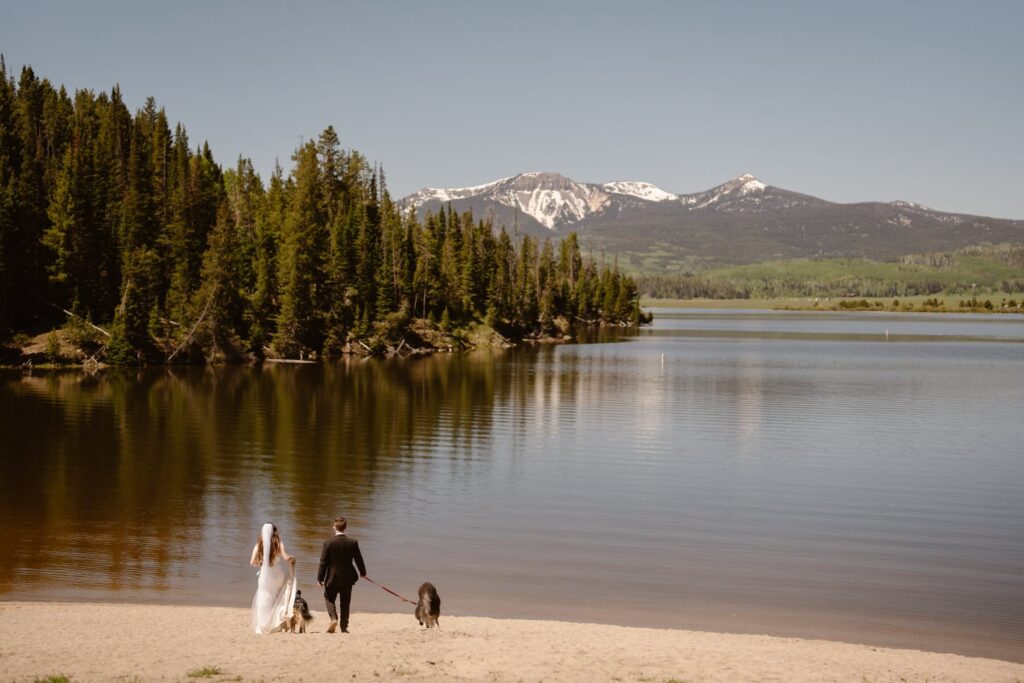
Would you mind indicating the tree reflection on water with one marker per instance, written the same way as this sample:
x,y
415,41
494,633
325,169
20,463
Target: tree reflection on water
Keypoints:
x,y
125,480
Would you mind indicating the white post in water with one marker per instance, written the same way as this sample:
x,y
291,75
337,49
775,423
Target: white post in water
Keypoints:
x,y
887,333
662,360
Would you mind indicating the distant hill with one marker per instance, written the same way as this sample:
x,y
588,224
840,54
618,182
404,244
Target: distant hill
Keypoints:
x,y
740,221
990,271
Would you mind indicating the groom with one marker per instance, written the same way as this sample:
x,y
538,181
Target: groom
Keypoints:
x,y
337,575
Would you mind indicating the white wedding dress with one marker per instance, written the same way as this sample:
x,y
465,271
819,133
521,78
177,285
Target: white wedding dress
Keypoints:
x,y
275,590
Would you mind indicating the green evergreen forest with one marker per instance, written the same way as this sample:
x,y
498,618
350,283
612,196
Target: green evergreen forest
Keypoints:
x,y
116,222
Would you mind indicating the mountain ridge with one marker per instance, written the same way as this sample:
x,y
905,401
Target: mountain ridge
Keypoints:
x,y
741,220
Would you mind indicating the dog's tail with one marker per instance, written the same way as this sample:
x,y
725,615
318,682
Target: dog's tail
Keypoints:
x,y
435,603
304,608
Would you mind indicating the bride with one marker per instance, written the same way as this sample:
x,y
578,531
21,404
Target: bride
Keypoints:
x,y
275,590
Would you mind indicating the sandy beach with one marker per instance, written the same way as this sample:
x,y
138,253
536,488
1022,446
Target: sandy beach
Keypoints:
x,y
130,642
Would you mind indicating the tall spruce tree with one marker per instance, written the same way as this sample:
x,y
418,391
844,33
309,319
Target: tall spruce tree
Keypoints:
x,y
180,229
29,199
217,308
132,340
301,275
261,304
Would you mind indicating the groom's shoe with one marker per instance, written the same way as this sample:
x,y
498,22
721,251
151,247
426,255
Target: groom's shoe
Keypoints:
x,y
333,626
344,629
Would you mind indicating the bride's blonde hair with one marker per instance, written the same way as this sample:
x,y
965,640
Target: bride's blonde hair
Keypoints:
x,y
275,547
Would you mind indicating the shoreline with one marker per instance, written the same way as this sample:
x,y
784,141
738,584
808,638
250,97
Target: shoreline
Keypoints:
x,y
129,641
32,353
55,349
876,633
908,304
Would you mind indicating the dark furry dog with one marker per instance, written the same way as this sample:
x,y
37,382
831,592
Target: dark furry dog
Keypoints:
x,y
300,615
428,609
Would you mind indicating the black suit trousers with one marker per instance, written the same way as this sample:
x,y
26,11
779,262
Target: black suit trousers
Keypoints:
x,y
343,594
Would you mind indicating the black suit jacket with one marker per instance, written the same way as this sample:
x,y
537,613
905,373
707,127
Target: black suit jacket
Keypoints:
x,y
336,562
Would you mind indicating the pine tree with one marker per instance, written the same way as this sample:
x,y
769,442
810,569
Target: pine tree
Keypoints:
x,y
500,301
426,272
390,276
216,313
244,194
470,269
332,170
342,296
110,178
180,230
300,323
29,200
64,224
526,283
547,284
570,267
91,285
261,308
367,250
450,266
138,236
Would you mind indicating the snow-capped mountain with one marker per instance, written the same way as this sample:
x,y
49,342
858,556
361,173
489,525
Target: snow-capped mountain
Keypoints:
x,y
742,187
743,219
550,199
745,194
557,202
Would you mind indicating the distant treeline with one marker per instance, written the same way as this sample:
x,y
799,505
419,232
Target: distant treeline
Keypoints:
x,y
985,268
118,219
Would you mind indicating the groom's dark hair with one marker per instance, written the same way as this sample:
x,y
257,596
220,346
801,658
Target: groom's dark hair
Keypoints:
x,y
340,523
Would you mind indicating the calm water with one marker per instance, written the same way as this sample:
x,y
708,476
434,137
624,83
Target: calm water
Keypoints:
x,y
794,474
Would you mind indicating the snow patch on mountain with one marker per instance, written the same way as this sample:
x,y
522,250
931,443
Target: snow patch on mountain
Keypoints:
x,y
750,184
549,207
558,202
739,188
911,205
549,198
444,195
640,190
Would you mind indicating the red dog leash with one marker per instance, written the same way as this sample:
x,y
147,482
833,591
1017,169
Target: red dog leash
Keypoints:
x,y
389,590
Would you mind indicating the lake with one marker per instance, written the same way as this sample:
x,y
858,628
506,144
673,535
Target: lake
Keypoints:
x,y
850,476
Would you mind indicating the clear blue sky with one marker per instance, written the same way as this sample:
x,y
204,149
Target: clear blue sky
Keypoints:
x,y
848,101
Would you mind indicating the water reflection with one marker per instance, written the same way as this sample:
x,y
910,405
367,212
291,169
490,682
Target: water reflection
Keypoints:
x,y
114,482
797,485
